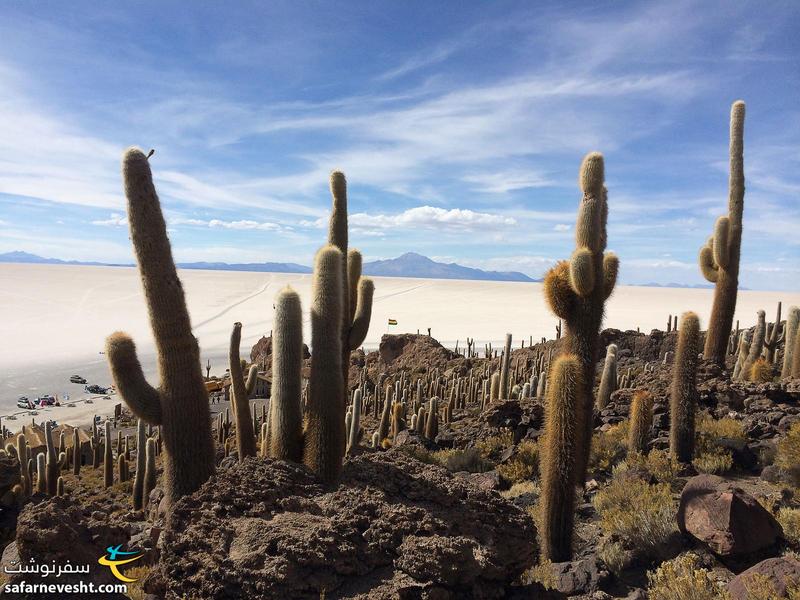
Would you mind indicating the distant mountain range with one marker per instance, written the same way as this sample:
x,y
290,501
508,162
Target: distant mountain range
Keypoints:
x,y
412,264
407,265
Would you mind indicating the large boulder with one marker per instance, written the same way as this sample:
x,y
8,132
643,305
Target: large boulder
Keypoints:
x,y
725,518
393,527
781,572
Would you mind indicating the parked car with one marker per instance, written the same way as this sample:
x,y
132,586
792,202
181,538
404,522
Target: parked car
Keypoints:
x,y
77,379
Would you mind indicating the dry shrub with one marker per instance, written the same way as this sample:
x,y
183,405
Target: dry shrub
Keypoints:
x,y
469,460
761,371
493,446
541,573
135,591
641,516
609,448
523,465
719,428
659,463
714,461
614,555
760,587
789,518
683,579
788,455
522,488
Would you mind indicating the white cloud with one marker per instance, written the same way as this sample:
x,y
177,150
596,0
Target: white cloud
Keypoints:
x,y
431,217
114,220
243,224
562,227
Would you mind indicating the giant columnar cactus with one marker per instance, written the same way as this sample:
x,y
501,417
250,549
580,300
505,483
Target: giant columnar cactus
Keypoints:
x,y
504,368
357,291
151,449
76,452
756,346
180,403
108,459
241,390
324,435
683,393
138,478
719,258
285,411
608,380
641,421
774,338
562,440
578,289
792,323
51,466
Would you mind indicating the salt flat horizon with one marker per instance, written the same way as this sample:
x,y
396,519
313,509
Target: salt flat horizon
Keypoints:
x,y
56,317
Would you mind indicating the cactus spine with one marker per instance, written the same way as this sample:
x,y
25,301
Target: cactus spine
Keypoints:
x,y
356,291
245,440
576,291
324,436
608,380
138,478
683,393
641,421
285,412
719,258
790,333
180,403
562,440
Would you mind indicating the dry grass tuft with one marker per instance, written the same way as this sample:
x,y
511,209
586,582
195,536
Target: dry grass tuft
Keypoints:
x,y
609,448
683,579
523,465
788,455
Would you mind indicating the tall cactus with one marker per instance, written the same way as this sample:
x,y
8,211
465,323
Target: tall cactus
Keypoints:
x,y
577,290
285,411
180,403
241,390
108,459
719,258
151,449
504,368
76,452
562,441
357,291
138,478
683,393
756,346
774,338
792,323
51,466
324,436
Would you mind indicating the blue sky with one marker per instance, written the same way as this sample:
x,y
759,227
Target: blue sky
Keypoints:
x,y
460,127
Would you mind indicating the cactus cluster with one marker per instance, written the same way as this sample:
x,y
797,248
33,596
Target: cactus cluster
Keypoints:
x,y
719,258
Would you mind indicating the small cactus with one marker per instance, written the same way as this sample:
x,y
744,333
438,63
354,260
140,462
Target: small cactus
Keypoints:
x,y
504,369
756,345
608,380
641,421
151,449
761,371
790,333
240,392
108,460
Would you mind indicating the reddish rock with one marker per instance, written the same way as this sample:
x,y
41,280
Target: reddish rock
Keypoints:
x,y
393,527
726,518
781,572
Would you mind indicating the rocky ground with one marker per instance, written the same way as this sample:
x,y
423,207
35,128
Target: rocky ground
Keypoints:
x,y
454,516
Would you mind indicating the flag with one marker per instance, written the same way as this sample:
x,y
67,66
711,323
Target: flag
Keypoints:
x,y
392,321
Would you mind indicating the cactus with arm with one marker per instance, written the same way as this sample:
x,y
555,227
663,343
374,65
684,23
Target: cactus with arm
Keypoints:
x,y
180,403
719,258
241,390
577,290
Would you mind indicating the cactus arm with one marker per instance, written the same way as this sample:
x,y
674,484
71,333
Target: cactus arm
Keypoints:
x,y
707,267
558,291
363,314
720,245
142,398
581,272
252,378
353,277
610,270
